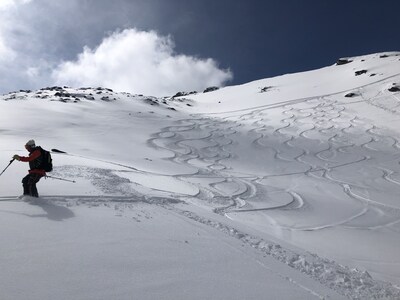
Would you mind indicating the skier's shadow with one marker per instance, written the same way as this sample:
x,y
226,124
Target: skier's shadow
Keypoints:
x,y
53,212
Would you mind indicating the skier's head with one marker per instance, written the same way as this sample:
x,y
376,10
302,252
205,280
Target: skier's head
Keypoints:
x,y
30,145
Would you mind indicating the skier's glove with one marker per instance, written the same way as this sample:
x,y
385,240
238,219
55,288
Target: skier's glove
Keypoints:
x,y
17,157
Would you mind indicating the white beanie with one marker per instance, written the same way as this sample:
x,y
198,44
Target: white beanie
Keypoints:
x,y
30,143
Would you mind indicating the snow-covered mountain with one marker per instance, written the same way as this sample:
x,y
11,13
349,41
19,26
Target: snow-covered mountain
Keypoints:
x,y
281,188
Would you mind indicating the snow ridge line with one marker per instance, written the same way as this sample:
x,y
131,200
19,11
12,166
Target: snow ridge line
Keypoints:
x,y
352,283
299,100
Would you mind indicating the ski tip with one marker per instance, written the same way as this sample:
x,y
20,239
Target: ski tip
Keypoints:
x,y
57,151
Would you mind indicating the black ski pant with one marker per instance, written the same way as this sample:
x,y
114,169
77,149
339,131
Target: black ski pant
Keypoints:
x,y
29,184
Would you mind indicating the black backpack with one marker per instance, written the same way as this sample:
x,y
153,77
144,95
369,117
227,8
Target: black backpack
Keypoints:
x,y
47,161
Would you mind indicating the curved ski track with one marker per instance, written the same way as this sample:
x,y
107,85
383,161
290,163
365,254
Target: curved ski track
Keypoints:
x,y
316,142
319,138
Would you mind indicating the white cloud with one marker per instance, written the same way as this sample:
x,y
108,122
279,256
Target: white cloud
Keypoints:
x,y
6,53
140,62
6,4
40,42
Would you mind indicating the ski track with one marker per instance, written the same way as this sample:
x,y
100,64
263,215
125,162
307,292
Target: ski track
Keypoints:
x,y
320,138
299,126
318,135
352,283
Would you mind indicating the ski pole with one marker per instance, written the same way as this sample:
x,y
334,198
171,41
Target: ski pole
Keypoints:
x,y
11,161
73,181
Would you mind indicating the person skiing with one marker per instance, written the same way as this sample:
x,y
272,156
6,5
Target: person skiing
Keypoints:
x,y
36,171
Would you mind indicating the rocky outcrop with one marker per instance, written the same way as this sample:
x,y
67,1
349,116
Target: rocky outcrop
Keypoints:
x,y
358,73
343,61
211,89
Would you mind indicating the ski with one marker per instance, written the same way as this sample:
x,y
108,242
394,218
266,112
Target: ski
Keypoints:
x,y
9,198
58,151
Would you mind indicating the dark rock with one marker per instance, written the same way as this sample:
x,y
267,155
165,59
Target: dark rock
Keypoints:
x,y
62,94
350,95
360,72
343,61
265,89
181,94
383,56
211,89
55,88
151,101
394,89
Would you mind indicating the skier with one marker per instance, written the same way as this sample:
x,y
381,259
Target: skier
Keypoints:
x,y
36,171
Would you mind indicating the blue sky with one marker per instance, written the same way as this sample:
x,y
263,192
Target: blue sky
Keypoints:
x,y
163,46
259,39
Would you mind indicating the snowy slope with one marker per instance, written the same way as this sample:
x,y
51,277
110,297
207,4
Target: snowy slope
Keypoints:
x,y
282,188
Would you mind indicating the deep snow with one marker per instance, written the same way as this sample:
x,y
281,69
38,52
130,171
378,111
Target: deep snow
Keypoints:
x,y
282,188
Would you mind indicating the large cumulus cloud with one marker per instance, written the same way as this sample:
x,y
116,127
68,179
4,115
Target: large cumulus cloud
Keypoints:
x,y
140,62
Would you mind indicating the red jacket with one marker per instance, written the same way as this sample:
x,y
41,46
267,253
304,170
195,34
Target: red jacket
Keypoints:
x,y
34,161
